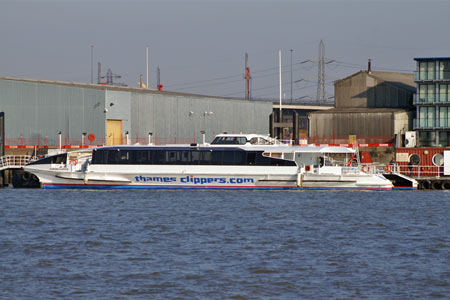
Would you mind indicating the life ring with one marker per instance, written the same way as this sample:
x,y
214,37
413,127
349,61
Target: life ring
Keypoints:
x,y
365,169
73,162
91,137
388,168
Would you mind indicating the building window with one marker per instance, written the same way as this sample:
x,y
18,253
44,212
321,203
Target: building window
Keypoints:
x,y
422,93
423,70
444,90
426,93
444,117
426,117
430,94
444,138
431,70
442,93
427,138
444,70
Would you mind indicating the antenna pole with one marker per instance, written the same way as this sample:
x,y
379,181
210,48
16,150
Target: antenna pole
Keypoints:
x,y
247,78
92,63
321,75
146,55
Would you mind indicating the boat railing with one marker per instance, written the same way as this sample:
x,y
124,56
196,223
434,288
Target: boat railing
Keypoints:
x,y
349,170
417,171
379,168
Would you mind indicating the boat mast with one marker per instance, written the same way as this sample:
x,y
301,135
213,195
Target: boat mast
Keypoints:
x,y
281,89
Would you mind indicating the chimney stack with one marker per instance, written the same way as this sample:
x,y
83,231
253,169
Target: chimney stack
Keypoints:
x,y
369,66
99,76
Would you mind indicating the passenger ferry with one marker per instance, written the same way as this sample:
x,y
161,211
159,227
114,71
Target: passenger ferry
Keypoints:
x,y
231,161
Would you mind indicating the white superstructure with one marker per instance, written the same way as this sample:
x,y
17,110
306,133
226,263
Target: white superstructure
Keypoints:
x,y
231,161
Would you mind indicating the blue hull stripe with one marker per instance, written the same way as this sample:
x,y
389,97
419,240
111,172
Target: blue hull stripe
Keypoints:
x,y
165,187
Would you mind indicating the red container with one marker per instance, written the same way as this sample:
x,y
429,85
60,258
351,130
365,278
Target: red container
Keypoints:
x,y
420,162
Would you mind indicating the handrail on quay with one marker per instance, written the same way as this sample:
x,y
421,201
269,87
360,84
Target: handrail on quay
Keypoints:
x,y
15,161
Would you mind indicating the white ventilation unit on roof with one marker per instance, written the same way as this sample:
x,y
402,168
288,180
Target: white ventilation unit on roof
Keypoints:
x,y
410,139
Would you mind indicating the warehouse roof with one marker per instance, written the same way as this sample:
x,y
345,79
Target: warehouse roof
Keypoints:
x,y
400,80
110,87
361,110
431,58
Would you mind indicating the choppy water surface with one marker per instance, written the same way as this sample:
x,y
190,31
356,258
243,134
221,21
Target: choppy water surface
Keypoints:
x,y
224,245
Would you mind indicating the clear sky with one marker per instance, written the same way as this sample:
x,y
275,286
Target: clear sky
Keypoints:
x,y
200,45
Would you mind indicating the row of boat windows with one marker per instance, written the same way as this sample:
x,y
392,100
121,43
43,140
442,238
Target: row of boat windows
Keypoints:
x,y
55,159
186,157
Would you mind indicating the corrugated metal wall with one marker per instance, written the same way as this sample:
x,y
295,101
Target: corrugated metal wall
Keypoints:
x,y
167,116
341,124
2,134
352,92
33,109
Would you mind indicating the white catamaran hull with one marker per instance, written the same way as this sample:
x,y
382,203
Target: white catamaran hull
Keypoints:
x,y
171,177
229,162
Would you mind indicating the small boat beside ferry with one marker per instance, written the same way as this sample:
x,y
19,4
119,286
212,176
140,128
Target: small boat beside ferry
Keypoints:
x,y
230,161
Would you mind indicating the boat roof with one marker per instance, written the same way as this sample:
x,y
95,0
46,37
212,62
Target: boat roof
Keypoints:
x,y
308,149
265,148
246,135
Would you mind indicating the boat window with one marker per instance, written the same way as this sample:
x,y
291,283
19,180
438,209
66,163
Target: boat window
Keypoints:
x,y
228,158
159,157
171,157
239,158
321,161
120,157
99,156
59,159
125,156
206,157
143,157
414,159
54,159
216,157
183,157
113,157
263,160
195,157
251,158
229,140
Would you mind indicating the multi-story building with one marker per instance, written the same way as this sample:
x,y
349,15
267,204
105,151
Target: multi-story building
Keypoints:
x,y
432,101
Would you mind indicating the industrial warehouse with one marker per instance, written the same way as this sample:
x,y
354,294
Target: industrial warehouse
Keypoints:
x,y
50,113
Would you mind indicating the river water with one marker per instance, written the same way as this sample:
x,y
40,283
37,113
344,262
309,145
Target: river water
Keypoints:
x,y
67,244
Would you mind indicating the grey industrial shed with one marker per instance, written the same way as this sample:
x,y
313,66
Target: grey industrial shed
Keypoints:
x,y
374,106
371,89
35,110
370,125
